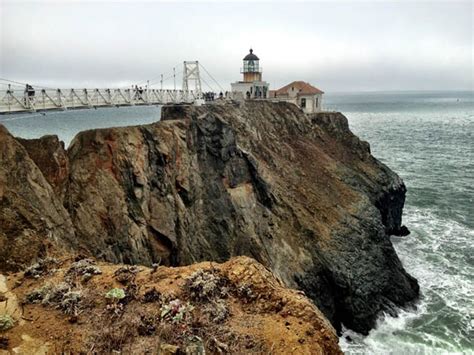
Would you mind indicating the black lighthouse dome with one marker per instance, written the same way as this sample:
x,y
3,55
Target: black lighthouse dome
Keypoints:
x,y
251,56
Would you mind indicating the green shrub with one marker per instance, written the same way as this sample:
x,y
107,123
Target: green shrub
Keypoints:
x,y
218,311
115,294
84,268
204,285
71,302
55,294
41,267
37,295
6,322
58,296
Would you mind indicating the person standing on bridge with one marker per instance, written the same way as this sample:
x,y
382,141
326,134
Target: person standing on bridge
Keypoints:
x,y
29,94
136,96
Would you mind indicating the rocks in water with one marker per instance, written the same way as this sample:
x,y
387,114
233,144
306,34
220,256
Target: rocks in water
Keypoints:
x,y
300,194
401,232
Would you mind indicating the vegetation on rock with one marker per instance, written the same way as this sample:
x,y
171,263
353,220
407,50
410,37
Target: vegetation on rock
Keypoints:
x,y
115,294
6,322
171,308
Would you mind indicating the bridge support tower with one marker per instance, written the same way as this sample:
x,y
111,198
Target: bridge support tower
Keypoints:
x,y
191,79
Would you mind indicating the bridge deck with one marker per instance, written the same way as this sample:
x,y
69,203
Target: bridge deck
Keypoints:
x,y
63,99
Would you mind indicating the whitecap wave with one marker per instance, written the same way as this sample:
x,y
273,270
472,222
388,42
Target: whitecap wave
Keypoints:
x,y
442,323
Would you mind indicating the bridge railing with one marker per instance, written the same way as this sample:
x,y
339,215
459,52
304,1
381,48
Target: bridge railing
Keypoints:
x,y
15,100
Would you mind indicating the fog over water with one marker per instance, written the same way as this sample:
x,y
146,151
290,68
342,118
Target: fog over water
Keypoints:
x,y
337,46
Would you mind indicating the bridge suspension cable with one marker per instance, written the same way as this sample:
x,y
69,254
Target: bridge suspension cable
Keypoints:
x,y
157,77
202,66
17,83
209,86
167,78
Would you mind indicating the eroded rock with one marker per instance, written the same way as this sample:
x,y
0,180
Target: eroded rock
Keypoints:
x,y
31,213
300,194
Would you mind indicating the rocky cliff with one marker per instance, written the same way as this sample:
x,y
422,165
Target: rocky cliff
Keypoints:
x,y
300,194
32,216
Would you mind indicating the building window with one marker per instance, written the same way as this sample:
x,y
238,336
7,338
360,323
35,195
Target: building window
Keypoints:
x,y
317,102
250,66
303,103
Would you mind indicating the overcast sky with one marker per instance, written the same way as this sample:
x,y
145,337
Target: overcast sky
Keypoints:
x,y
336,46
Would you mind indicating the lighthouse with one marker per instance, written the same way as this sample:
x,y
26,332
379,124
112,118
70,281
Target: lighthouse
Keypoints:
x,y
251,69
252,86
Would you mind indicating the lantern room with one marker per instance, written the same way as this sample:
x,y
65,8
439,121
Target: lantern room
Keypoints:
x,y
251,68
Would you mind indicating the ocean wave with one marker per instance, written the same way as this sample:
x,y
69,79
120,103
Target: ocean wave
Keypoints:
x,y
439,254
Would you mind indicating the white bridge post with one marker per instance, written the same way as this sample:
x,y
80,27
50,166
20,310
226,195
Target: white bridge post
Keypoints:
x,y
191,73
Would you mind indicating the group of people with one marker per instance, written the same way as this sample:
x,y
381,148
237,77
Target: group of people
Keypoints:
x,y
207,96
211,96
258,94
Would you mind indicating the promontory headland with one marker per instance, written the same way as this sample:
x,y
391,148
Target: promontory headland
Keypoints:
x,y
252,198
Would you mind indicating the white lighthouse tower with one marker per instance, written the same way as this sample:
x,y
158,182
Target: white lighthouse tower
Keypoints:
x,y
252,86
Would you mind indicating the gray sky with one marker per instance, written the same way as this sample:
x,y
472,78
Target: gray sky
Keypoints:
x,y
336,46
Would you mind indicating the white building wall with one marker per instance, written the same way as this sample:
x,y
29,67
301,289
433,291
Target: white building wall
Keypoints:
x,y
309,107
292,92
240,88
313,102
318,100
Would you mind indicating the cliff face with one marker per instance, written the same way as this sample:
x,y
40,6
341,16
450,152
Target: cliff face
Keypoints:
x,y
300,194
50,157
32,216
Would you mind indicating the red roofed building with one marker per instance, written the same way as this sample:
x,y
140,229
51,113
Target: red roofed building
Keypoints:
x,y
302,94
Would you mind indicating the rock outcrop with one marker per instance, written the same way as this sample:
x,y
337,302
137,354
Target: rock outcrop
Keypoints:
x,y
235,307
300,194
32,216
50,157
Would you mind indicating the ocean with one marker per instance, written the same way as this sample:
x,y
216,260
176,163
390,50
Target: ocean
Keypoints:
x,y
66,124
428,139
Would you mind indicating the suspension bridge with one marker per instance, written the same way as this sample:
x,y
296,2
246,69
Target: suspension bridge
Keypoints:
x,y
18,97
